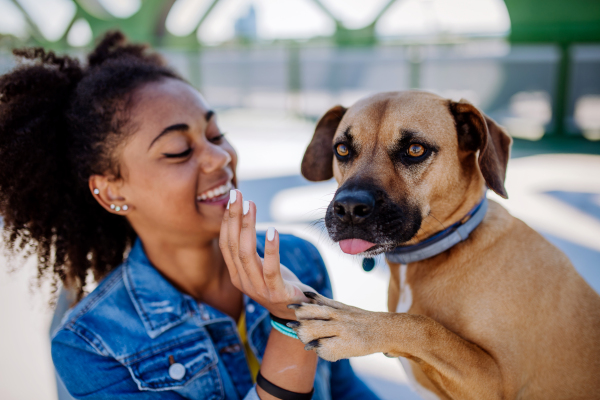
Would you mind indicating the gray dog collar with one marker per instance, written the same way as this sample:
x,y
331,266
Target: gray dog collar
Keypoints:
x,y
441,241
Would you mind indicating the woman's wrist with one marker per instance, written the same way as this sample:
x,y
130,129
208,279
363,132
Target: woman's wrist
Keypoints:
x,y
283,352
287,314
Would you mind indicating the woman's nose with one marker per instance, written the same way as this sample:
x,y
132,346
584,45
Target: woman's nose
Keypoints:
x,y
214,158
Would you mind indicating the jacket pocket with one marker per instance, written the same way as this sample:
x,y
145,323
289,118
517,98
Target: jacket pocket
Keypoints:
x,y
172,365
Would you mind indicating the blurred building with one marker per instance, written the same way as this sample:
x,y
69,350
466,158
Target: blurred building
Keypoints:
x,y
531,64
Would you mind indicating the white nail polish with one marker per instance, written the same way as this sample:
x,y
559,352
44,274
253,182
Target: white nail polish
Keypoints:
x,y
246,207
270,234
232,195
227,206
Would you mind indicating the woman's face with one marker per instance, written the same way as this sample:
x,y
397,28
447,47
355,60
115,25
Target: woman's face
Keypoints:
x,y
177,168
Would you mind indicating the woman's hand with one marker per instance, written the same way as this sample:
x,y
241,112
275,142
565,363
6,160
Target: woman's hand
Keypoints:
x,y
265,281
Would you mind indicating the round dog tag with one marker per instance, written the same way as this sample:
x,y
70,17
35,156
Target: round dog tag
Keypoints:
x,y
368,264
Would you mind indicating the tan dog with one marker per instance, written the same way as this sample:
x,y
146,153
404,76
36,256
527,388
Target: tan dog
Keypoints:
x,y
501,315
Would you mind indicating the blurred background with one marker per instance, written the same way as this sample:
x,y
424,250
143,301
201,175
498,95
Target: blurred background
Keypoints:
x,y
270,68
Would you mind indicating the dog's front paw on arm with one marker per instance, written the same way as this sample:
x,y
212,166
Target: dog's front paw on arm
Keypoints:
x,y
334,330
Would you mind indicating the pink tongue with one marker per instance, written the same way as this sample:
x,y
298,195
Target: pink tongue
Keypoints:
x,y
355,246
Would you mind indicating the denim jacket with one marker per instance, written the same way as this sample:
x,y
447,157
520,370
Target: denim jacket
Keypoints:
x,y
122,340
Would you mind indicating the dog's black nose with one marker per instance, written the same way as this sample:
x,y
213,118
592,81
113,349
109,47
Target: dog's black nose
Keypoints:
x,y
353,206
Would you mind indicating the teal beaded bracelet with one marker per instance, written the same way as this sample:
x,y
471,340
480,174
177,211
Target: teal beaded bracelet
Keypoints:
x,y
284,329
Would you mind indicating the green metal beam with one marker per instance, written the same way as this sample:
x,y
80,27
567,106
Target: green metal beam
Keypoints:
x,y
328,12
32,27
365,36
562,24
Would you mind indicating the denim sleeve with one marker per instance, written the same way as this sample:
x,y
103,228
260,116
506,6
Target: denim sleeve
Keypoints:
x,y
252,394
345,385
89,375
318,276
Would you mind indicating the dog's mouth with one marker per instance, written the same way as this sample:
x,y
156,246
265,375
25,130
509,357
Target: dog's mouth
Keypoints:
x,y
355,246
367,222
364,248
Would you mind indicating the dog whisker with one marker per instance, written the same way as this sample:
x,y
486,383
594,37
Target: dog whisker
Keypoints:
x,y
434,217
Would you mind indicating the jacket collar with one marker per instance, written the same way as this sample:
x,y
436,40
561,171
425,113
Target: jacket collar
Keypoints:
x,y
161,306
157,302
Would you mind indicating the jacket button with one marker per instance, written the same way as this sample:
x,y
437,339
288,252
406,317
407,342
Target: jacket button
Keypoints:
x,y
250,308
177,371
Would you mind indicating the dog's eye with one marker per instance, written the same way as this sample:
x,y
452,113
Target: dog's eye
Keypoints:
x,y
342,150
416,150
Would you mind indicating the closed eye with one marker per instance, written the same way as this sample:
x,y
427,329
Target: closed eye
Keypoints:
x,y
217,138
179,155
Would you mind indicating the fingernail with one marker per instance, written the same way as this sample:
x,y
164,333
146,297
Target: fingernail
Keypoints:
x,y
270,234
227,206
246,207
232,195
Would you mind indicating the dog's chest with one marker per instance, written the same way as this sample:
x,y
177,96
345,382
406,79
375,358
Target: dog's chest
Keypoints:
x,y
405,301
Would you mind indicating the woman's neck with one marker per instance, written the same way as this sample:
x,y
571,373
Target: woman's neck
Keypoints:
x,y
198,270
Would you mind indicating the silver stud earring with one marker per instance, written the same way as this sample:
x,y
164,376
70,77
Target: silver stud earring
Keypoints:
x,y
112,206
96,191
125,207
118,208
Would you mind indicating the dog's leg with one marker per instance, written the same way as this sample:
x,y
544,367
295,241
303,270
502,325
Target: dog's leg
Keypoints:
x,y
459,369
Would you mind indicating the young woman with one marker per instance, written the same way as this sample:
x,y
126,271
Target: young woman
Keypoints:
x,y
122,156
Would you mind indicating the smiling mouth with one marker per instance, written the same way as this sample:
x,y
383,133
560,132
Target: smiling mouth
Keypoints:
x,y
216,194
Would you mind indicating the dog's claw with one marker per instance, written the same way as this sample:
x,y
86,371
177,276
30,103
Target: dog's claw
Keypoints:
x,y
312,345
310,295
294,306
293,324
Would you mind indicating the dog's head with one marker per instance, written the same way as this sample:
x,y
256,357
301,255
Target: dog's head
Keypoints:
x,y
407,164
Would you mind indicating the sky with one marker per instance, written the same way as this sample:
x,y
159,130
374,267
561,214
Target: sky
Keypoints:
x,y
289,19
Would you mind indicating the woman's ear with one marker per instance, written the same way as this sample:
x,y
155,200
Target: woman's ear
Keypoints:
x,y
476,131
106,191
317,164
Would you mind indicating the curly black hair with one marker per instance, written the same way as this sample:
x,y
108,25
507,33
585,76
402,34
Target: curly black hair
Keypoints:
x,y
60,123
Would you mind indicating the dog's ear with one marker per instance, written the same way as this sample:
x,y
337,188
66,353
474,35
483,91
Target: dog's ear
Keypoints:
x,y
317,164
476,131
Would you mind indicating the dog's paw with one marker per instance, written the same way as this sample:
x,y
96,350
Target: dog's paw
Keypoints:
x,y
315,298
332,329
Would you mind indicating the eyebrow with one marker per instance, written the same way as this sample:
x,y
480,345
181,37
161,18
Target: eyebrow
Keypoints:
x,y
168,129
346,136
180,127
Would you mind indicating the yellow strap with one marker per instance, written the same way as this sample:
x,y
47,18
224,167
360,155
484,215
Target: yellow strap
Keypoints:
x,y
251,359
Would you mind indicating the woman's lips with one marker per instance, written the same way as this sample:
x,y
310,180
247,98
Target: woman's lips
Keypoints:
x,y
215,194
217,201
355,246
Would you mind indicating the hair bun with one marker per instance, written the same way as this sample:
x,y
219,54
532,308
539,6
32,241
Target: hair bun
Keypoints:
x,y
114,46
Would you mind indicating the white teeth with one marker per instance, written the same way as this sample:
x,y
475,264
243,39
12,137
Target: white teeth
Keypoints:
x,y
209,194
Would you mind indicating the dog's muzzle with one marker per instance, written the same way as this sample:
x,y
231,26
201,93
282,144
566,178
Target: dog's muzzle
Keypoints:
x,y
364,219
